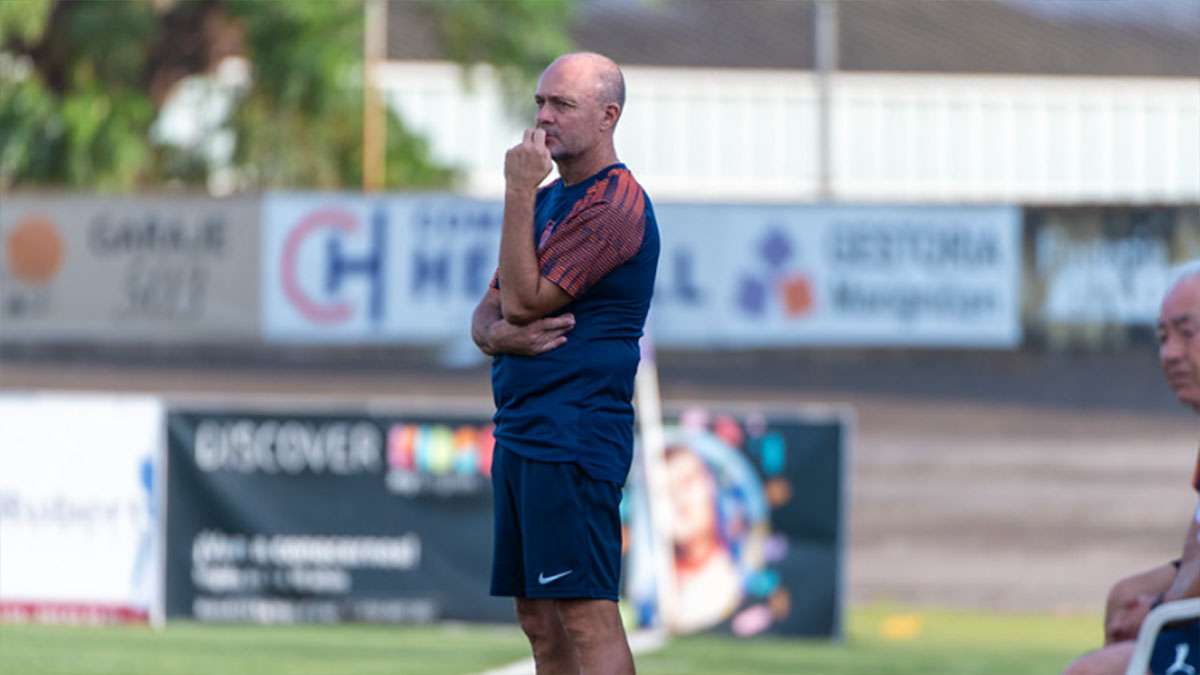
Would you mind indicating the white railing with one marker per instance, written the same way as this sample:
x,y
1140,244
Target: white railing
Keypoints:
x,y
750,135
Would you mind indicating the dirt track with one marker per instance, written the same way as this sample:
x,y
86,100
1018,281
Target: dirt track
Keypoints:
x,y
1003,481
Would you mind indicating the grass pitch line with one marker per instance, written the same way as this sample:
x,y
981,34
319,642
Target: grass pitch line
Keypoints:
x,y
639,642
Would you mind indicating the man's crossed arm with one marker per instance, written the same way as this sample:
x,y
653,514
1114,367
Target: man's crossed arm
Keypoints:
x,y
493,334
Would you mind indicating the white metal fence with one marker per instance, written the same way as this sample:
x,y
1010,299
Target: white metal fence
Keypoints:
x,y
751,135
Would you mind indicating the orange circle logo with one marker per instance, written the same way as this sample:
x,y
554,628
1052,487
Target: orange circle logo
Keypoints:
x,y
34,250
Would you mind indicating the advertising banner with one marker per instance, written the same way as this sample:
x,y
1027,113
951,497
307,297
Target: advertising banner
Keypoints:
x,y
401,268
1102,267
411,268
757,524
326,518
79,525
144,269
772,276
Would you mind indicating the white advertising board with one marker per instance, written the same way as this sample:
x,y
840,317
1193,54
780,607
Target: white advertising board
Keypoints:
x,y
79,513
411,268
128,269
776,276
344,268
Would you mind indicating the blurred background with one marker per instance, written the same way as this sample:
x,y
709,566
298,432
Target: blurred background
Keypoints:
x,y
944,226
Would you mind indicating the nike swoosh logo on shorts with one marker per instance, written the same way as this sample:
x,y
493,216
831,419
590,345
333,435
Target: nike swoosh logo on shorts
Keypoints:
x,y
543,579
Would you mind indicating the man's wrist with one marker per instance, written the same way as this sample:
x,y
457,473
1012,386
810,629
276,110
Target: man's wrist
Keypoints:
x,y
495,336
514,190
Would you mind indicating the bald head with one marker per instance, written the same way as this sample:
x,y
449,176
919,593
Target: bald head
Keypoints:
x,y
1179,334
606,76
579,99
1186,273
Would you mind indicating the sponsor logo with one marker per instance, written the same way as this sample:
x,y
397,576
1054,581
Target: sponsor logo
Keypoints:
x,y
776,282
33,251
33,256
1180,667
288,447
909,270
543,579
339,266
439,459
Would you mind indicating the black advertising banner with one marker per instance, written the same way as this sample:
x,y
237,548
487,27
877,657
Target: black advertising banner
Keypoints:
x,y
324,518
756,503
1095,275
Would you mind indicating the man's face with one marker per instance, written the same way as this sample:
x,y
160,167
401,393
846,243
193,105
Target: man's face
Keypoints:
x,y
1179,341
568,108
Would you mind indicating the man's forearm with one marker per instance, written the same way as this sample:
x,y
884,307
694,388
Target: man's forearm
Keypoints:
x,y
519,273
485,316
1187,581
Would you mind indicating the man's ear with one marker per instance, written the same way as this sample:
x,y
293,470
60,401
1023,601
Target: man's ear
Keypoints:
x,y
612,112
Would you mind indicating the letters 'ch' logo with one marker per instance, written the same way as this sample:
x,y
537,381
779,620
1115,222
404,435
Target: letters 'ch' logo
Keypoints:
x,y
339,265
794,290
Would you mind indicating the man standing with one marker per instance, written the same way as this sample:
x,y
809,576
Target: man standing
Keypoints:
x,y
562,321
1177,650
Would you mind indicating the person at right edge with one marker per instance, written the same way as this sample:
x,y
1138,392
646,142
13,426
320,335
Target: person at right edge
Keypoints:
x,y
562,322
1177,649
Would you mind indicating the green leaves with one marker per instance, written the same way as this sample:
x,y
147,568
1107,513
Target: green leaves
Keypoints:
x,y
518,37
81,83
23,20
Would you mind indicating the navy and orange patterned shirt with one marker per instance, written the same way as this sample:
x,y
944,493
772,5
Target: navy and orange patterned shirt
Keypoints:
x,y
598,241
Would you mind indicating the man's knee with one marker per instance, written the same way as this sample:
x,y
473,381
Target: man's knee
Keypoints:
x,y
539,619
587,620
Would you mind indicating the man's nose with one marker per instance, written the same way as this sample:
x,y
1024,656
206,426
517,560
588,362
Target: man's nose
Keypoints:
x,y
1171,349
543,116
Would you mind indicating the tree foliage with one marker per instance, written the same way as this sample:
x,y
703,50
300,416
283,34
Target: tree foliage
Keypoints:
x,y
82,82
301,122
517,37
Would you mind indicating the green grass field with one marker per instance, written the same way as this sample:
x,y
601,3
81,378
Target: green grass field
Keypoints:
x,y
881,641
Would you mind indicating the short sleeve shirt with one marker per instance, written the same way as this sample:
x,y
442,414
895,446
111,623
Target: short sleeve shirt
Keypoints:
x,y
598,241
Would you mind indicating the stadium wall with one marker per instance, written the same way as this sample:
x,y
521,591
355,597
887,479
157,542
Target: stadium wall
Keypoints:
x,y
301,271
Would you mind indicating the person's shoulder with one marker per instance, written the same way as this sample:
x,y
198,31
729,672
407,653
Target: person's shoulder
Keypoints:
x,y
621,174
617,189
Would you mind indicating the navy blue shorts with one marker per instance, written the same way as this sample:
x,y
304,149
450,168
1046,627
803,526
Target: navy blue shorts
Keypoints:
x,y
557,530
1177,650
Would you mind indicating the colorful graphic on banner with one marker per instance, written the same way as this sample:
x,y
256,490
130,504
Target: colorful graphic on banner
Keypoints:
x,y
756,513
79,516
320,518
86,269
410,269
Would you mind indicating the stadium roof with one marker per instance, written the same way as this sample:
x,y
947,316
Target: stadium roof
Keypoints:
x,y
1143,38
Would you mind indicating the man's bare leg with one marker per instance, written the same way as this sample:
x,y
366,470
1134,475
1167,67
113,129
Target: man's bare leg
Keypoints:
x,y
553,651
595,628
